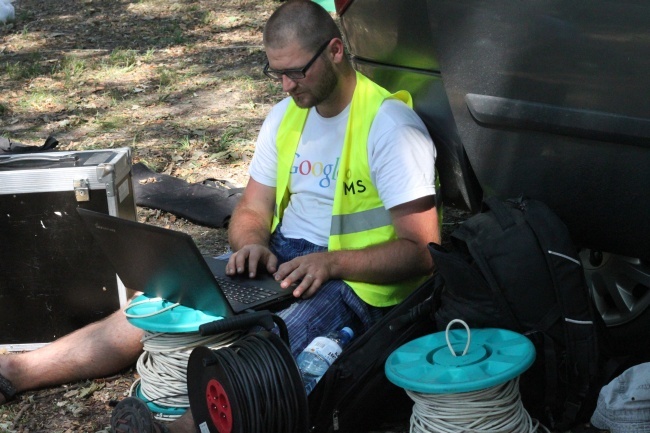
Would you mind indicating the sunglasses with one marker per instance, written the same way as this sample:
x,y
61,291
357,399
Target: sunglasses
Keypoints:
x,y
297,73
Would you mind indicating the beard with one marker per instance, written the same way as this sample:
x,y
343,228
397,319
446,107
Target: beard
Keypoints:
x,y
320,92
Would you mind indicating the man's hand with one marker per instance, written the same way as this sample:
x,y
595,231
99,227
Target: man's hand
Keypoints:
x,y
250,257
248,231
313,269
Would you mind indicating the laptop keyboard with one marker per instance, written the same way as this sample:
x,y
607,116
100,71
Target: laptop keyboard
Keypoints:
x,y
243,294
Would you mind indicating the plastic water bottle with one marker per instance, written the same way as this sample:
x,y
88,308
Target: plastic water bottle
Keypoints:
x,y
314,361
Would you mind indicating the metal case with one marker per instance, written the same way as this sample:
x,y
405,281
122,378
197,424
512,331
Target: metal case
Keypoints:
x,y
53,278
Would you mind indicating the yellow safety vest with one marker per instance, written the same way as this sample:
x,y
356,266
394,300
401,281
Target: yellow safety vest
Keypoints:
x,y
359,218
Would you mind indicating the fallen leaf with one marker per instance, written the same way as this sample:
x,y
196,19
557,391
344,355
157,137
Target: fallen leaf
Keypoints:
x,y
71,393
85,392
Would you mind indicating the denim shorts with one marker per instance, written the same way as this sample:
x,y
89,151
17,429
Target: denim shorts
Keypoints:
x,y
334,306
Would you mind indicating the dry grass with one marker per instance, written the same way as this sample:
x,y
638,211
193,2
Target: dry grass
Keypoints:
x,y
178,82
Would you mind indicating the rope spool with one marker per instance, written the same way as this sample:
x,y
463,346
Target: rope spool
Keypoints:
x,y
462,380
171,333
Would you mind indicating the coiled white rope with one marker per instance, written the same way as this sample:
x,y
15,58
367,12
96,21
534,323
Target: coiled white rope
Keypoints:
x,y
493,410
162,367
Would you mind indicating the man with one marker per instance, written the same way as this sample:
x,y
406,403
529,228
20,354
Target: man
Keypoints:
x,y
327,158
340,207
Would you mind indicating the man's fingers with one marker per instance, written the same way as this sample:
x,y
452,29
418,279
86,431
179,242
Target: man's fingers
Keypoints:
x,y
253,261
248,258
286,274
244,257
309,275
231,267
307,287
272,264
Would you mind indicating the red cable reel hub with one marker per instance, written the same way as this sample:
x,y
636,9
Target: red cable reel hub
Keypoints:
x,y
219,406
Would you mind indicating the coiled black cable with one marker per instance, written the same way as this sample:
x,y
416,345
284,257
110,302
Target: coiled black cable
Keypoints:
x,y
267,393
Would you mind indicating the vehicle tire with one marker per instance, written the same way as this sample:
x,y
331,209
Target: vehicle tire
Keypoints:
x,y
620,289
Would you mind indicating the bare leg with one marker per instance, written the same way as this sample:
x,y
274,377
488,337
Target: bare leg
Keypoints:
x,y
96,350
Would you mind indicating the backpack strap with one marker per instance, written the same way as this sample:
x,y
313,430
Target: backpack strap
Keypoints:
x,y
551,370
550,353
570,289
500,211
550,318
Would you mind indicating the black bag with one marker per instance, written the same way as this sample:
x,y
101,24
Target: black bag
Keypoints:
x,y
515,267
209,203
8,146
354,395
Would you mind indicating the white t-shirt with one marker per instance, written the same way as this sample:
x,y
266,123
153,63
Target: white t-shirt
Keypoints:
x,y
401,156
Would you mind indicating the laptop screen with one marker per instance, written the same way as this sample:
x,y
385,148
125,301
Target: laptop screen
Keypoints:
x,y
158,262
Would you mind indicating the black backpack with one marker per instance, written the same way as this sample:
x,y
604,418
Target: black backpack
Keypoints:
x,y
515,267
354,395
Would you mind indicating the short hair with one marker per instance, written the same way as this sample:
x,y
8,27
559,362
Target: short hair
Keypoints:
x,y
302,21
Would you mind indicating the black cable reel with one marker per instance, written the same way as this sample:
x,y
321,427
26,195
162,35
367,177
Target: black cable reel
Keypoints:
x,y
252,386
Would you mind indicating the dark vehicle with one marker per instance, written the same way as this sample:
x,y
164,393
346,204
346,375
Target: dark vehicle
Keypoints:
x,y
547,99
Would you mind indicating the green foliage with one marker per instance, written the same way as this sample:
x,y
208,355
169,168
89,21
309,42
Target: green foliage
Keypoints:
x,y
123,58
23,70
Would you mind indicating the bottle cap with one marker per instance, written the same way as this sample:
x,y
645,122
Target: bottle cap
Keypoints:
x,y
348,331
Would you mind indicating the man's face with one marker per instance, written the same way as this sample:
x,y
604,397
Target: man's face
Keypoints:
x,y
320,79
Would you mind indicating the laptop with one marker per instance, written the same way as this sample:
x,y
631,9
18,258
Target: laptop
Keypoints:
x,y
167,264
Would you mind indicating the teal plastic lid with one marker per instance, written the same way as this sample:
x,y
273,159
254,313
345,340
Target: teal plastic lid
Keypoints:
x,y
178,319
492,357
170,411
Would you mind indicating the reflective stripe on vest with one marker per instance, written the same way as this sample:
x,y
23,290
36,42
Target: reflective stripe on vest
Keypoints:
x,y
360,221
359,218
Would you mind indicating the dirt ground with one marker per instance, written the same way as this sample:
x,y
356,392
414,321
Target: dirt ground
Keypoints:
x,y
179,82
